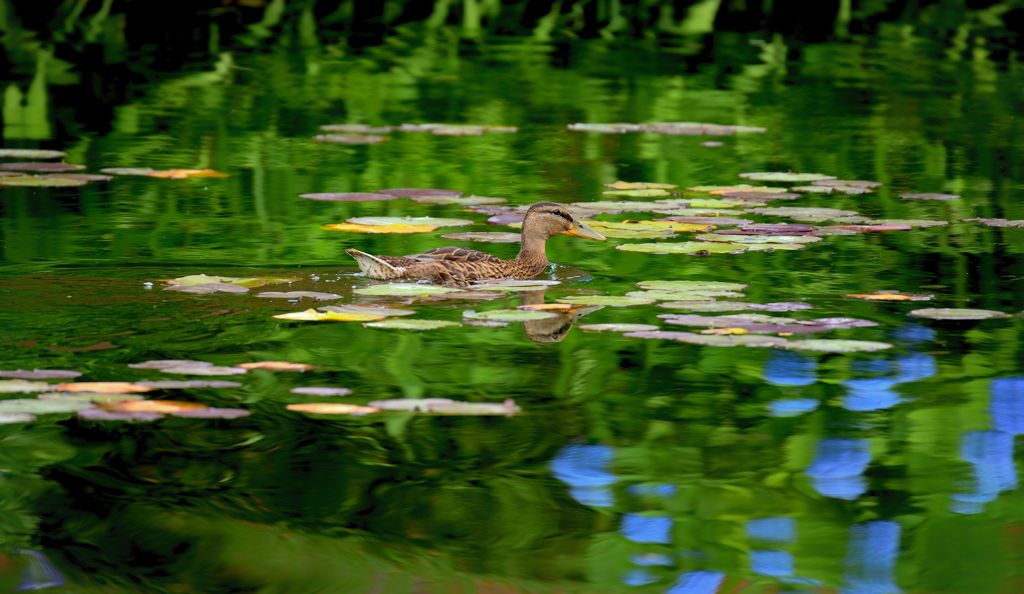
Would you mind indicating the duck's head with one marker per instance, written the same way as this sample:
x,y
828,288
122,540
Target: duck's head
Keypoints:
x,y
556,219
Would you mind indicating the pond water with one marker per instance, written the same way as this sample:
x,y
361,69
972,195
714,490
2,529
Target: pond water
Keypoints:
x,y
635,464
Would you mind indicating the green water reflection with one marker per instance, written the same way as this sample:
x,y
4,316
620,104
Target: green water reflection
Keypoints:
x,y
637,465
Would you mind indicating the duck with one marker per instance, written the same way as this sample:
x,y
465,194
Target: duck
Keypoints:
x,y
461,266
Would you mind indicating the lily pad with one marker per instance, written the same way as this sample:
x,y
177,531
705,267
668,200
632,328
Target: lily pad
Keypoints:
x,y
419,192
456,408
347,196
250,282
379,229
314,295
715,221
39,374
40,181
19,385
853,183
508,315
321,391
730,306
785,176
997,222
754,341
189,384
17,418
98,414
415,221
90,396
460,200
165,363
484,236
207,288
102,387
211,413
186,173
617,327
374,310
411,324
826,345
638,193
757,239
609,300
691,285
130,171
622,185
17,153
804,212
41,167
206,369
356,128
312,315
277,366
331,408
409,404
785,229
513,285
864,228
890,296
919,223
84,177
403,290
939,313
929,196
35,406
678,295
350,138
683,247
151,406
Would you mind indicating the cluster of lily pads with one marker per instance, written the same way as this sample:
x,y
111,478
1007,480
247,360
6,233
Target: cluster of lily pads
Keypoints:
x,y
41,173
368,134
129,401
666,128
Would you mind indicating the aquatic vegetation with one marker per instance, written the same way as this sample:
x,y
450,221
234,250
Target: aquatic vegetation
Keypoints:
x,y
507,315
379,229
785,176
890,296
298,295
939,313
411,324
312,315
331,408
102,387
348,196
39,374
325,391
277,366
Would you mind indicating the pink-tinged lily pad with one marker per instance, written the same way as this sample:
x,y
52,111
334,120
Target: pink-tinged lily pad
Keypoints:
x,y
131,171
373,310
10,174
868,228
460,200
18,153
996,222
729,306
41,167
785,176
98,414
929,196
350,138
40,181
624,185
942,313
801,212
82,177
834,345
769,229
419,192
321,391
39,374
296,295
617,327
511,218
347,196
277,366
919,223
207,288
759,323
742,340
484,236
189,384
356,128
761,197
701,248
211,413
165,363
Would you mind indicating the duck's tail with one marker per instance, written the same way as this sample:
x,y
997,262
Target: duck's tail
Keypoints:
x,y
374,267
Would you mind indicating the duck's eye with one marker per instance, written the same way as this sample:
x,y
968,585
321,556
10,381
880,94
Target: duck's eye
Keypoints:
x,y
556,212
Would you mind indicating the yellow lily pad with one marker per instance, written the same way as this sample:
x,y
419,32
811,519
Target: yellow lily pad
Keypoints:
x,y
379,229
331,408
312,315
102,387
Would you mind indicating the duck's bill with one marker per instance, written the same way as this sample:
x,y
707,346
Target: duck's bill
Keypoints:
x,y
581,230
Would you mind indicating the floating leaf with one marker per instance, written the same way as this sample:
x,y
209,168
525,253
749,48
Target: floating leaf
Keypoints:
x,y
785,176
347,196
684,247
867,228
90,396
83,177
997,222
785,229
890,296
252,282
559,307
356,128
98,414
321,391
186,173
692,285
207,288
189,384
102,387
413,221
277,366
610,300
409,404
16,418
41,167
40,181
350,138
939,313
617,327
758,196
20,385
622,185
826,345
484,236
711,340
461,201
211,413
39,374
419,192
727,306
804,212
624,206
508,315
515,285
204,369
444,406
716,221
725,331
331,408
379,229
314,295
921,223
17,153
165,363
757,239
403,290
736,188
136,171
677,295
929,196
853,183
35,406
662,225
312,315
411,324
640,193
151,406
374,310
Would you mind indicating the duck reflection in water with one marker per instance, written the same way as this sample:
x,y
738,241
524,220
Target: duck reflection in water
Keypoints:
x,y
554,329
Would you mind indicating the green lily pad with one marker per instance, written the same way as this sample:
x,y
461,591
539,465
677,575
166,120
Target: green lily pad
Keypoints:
x,y
683,247
617,327
742,340
411,324
18,385
90,397
430,221
784,176
16,153
403,290
16,418
694,285
460,200
638,193
805,213
718,203
508,315
835,345
41,181
610,300
35,406
662,295
516,285
941,313
623,206
202,279
373,310
918,223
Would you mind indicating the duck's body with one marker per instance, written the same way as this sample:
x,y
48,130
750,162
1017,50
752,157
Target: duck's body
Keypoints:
x,y
460,265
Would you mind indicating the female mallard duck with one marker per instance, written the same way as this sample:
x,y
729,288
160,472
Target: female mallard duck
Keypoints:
x,y
455,265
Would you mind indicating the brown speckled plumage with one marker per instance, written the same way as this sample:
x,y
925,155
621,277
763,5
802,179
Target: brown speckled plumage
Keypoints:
x,y
455,265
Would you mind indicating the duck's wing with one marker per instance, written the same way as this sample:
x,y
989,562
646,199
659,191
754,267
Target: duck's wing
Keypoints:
x,y
457,254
